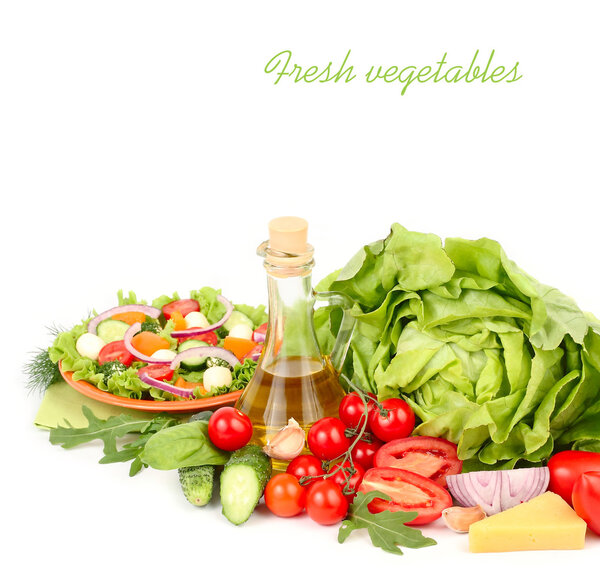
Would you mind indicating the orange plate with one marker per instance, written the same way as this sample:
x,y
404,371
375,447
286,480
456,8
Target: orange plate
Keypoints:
x,y
91,391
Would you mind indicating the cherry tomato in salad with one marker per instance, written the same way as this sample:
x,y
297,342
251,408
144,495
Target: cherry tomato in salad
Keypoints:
x,y
408,492
343,478
364,451
397,422
260,333
325,503
305,466
429,456
115,351
184,306
229,428
566,467
352,411
210,338
157,371
586,499
147,342
327,439
284,496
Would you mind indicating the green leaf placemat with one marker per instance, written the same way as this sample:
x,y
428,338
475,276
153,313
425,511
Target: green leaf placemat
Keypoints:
x,y
62,403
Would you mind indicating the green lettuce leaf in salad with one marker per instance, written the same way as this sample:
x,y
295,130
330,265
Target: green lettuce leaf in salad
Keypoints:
x,y
487,357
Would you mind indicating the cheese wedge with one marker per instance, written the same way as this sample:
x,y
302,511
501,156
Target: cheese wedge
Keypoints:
x,y
544,522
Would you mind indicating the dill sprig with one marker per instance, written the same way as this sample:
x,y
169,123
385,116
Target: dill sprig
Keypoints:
x,y
40,370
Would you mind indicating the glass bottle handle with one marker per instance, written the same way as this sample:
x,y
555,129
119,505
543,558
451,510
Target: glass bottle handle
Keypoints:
x,y
342,343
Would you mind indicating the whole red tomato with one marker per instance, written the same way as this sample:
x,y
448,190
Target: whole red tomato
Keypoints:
x,y
305,466
352,411
342,478
566,467
364,451
396,421
325,503
586,499
284,496
327,438
229,428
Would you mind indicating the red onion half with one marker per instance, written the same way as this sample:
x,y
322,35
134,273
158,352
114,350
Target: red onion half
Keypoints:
x,y
496,491
213,327
195,352
150,311
182,392
129,334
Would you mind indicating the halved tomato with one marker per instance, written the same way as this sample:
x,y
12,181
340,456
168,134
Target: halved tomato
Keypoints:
x,y
115,351
157,371
408,492
184,306
428,456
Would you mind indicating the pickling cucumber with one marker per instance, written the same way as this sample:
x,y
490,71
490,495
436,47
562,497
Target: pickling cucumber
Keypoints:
x,y
238,318
243,482
194,363
197,483
111,330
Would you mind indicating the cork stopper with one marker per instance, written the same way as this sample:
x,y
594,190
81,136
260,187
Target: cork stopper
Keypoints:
x,y
288,234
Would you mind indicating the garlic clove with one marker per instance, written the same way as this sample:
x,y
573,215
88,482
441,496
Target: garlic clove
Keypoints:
x,y
287,443
459,518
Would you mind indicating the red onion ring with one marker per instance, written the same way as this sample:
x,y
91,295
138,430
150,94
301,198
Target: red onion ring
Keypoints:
x,y
150,311
129,334
213,327
182,392
194,352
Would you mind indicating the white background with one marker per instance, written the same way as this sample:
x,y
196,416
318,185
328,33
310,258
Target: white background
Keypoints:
x,y
142,147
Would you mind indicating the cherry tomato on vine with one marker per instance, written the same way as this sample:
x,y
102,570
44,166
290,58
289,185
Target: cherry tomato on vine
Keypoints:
x,y
327,439
305,466
364,452
341,475
352,411
229,428
586,499
396,424
284,496
325,503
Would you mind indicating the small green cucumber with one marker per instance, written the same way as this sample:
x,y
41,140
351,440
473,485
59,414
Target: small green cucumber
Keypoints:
x,y
197,483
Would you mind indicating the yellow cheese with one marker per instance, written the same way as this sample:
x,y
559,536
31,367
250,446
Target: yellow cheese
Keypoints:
x,y
544,522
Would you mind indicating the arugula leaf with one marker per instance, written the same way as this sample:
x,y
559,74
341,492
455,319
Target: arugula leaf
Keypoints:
x,y
111,429
386,529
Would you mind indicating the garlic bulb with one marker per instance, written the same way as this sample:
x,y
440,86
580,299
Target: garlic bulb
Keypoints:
x,y
459,518
287,443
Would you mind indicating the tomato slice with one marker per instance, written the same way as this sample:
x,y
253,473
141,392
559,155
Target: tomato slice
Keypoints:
x,y
408,492
210,338
157,371
428,456
183,306
115,351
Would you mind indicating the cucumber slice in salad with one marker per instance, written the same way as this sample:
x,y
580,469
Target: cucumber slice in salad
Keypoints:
x,y
238,318
196,363
111,330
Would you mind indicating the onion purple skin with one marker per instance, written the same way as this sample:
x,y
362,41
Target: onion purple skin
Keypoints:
x,y
259,337
150,311
175,390
496,491
210,328
129,334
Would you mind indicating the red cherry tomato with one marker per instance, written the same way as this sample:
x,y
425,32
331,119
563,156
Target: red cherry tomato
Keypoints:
x,y
229,428
429,456
157,371
364,452
340,477
115,351
566,467
184,306
305,466
259,333
325,503
327,439
408,492
210,338
396,424
284,496
352,411
586,499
